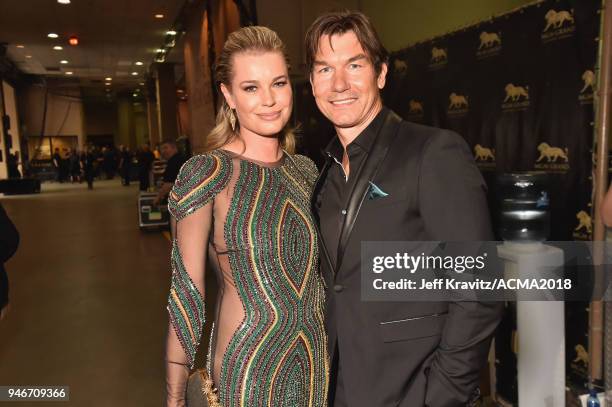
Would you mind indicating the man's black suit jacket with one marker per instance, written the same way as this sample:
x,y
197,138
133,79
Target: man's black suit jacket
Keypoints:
x,y
431,353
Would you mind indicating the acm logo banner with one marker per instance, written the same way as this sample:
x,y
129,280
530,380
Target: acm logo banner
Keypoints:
x,y
552,158
400,66
558,24
458,105
490,45
439,58
516,98
484,157
416,110
584,226
588,88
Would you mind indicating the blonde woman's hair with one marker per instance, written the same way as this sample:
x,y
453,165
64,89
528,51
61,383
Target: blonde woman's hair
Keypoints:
x,y
246,39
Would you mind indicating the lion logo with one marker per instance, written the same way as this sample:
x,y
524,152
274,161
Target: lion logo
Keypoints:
x,y
582,355
483,153
488,40
514,93
457,101
551,153
400,66
555,19
415,107
438,54
588,77
584,222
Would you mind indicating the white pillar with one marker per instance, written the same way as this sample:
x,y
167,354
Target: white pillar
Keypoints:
x,y
540,327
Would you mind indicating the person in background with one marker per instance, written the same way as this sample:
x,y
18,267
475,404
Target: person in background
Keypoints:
x,y
125,165
117,160
9,241
145,162
175,160
13,165
88,160
57,160
108,160
98,159
75,166
65,165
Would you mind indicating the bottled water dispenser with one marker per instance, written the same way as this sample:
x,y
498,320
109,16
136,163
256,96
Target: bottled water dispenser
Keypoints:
x,y
524,226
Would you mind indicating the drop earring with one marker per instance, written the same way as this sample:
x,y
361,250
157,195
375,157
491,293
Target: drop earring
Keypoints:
x,y
232,120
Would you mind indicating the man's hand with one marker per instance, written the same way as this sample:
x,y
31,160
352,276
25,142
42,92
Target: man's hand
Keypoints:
x,y
164,190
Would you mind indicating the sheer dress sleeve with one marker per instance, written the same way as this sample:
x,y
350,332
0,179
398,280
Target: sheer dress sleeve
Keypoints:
x,y
190,203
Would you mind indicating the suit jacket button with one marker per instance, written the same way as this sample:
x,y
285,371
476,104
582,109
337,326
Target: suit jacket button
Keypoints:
x,y
338,288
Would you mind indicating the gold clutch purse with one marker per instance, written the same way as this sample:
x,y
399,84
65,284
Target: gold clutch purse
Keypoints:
x,y
201,391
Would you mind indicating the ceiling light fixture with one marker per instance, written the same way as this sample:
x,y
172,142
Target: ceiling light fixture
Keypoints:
x,y
28,56
20,46
139,63
69,73
63,61
63,1
58,48
52,35
107,83
171,32
159,15
134,73
108,78
160,50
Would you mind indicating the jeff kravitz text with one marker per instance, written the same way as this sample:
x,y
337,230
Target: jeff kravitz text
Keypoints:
x,y
458,274
477,284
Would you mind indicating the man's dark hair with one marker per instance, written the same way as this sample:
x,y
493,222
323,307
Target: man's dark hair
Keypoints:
x,y
340,22
169,142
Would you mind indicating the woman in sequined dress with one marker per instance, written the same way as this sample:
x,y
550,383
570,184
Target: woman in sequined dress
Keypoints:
x,y
244,205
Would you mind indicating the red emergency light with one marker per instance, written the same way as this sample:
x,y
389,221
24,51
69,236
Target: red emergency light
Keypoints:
x,y
73,40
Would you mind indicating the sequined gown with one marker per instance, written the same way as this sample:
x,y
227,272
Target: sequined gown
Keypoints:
x,y
253,222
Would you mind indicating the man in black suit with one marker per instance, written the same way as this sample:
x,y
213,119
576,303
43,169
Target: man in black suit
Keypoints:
x,y
405,354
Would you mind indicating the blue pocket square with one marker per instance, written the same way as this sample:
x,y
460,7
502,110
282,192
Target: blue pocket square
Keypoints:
x,y
375,192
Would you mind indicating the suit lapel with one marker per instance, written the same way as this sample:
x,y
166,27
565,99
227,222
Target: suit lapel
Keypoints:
x,y
365,173
316,204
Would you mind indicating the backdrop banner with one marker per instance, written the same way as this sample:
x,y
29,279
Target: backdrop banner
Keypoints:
x,y
519,88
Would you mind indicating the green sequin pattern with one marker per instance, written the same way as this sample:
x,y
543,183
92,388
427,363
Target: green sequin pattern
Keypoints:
x,y
185,307
278,355
200,179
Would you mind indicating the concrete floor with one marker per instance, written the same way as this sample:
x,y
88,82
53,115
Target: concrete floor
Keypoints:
x,y
88,295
